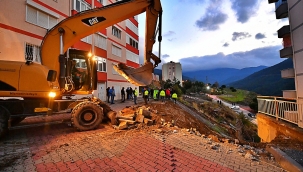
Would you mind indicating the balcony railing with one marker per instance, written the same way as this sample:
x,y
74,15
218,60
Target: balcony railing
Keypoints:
x,y
290,94
286,52
288,73
280,108
284,31
271,1
281,9
279,3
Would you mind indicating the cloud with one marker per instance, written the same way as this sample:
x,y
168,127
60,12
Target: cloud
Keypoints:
x,y
244,9
260,36
240,36
170,40
213,17
165,56
226,44
192,1
169,33
266,56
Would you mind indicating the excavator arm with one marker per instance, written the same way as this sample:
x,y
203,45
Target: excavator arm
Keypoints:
x,y
73,28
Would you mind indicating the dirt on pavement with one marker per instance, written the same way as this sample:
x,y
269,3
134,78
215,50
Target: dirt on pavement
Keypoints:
x,y
225,124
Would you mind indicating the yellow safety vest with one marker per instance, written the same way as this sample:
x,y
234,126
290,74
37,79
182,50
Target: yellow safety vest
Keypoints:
x,y
174,95
162,93
136,92
146,92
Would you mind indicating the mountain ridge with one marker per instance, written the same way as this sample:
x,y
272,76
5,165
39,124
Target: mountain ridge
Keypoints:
x,y
268,81
222,75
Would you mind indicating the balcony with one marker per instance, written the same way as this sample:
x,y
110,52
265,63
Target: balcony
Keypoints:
x,y
272,1
283,31
279,107
288,73
281,9
286,52
292,94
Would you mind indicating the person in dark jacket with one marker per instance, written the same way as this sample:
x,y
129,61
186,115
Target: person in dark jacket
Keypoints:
x,y
107,94
122,95
131,92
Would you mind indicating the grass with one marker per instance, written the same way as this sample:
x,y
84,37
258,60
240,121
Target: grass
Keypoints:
x,y
234,97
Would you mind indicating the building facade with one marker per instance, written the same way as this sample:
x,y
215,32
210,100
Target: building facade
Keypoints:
x,y
172,71
23,24
292,36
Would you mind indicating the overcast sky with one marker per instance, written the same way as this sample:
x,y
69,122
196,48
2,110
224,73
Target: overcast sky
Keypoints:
x,y
209,34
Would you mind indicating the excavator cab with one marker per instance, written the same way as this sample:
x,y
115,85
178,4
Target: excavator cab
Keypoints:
x,y
81,72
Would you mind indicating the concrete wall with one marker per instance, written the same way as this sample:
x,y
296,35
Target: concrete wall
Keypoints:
x,y
269,128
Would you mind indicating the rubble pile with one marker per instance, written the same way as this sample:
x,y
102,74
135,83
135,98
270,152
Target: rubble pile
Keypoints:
x,y
130,117
137,116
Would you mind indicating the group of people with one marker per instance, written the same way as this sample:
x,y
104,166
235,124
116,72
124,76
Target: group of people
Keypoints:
x,y
159,94
147,93
129,92
110,93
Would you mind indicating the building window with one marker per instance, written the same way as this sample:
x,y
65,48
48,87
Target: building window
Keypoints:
x,y
132,27
116,32
133,43
116,51
32,53
102,2
100,41
81,5
101,64
40,18
87,39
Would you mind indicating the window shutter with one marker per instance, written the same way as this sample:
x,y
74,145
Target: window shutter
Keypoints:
x,y
31,15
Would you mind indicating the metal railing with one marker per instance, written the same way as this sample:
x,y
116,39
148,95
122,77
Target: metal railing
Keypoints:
x,y
281,108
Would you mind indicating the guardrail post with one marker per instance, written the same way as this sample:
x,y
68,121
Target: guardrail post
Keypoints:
x,y
277,108
300,113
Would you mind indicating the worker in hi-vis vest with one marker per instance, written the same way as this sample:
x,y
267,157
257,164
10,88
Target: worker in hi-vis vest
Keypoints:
x,y
145,95
174,96
135,95
162,95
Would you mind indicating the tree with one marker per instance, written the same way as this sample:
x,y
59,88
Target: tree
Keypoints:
x,y
168,84
187,84
254,105
215,85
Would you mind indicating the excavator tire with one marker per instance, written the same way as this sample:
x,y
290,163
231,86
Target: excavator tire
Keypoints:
x,y
87,116
17,120
4,116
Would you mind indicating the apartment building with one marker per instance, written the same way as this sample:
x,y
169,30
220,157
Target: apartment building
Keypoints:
x,y
23,24
172,70
292,36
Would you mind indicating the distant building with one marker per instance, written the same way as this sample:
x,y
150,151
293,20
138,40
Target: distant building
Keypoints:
x,y
172,70
155,77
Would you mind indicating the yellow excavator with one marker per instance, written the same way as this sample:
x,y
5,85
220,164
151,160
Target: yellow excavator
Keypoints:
x,y
31,89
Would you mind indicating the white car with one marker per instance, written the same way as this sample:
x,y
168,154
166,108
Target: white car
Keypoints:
x,y
235,107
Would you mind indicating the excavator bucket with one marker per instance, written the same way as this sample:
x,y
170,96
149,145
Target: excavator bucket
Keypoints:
x,y
141,76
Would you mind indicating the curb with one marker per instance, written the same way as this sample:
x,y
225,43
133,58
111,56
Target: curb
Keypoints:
x,y
284,160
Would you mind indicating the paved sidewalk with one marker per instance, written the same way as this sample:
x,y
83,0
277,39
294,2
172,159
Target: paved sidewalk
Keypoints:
x,y
61,148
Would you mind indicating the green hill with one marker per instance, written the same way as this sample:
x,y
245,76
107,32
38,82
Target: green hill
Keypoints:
x,y
267,82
